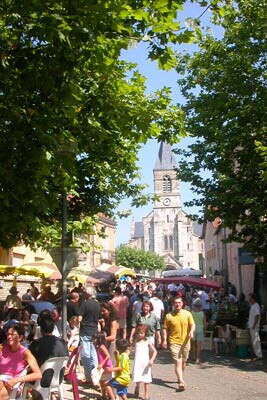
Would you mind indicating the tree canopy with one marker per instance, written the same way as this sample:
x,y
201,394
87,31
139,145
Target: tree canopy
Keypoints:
x,y
139,260
73,115
225,89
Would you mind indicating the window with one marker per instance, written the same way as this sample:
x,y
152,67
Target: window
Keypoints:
x,y
168,242
18,259
171,242
190,246
168,219
167,184
165,242
38,259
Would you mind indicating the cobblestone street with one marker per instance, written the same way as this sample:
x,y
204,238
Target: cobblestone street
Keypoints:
x,y
218,378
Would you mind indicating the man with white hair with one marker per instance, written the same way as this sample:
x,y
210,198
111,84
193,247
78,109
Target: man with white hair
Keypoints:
x,y
89,316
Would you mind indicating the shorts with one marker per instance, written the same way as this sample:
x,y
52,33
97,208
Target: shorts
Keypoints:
x,y
106,376
179,351
219,340
151,339
120,389
122,323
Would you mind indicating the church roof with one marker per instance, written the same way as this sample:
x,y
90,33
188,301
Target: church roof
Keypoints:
x,y
197,229
138,230
165,159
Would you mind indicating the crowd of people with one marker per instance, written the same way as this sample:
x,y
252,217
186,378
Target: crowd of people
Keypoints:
x,y
135,318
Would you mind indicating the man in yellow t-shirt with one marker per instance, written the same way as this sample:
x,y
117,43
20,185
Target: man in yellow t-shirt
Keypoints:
x,y
179,328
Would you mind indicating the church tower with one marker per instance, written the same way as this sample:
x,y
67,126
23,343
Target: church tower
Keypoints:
x,y
167,230
166,184
160,227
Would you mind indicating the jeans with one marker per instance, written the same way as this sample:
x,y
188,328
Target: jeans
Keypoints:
x,y
88,355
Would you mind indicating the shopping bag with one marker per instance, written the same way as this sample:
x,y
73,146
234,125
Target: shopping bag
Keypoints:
x,y
96,375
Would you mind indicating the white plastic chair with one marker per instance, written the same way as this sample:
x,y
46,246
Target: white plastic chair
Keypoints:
x,y
17,390
55,364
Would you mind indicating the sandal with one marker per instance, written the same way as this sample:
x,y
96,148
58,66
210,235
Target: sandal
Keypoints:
x,y
181,387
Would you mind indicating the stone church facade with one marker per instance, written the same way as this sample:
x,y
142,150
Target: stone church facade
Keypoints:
x,y
167,230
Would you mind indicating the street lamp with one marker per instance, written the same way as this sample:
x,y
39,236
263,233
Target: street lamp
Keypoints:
x,y
63,265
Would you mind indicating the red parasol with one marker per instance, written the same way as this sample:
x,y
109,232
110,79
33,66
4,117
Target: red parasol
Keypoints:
x,y
200,282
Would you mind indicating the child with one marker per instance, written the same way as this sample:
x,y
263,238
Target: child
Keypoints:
x,y
104,361
200,321
223,336
145,354
122,371
73,331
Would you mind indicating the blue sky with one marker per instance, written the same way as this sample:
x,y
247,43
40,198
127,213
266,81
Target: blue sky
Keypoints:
x,y
156,79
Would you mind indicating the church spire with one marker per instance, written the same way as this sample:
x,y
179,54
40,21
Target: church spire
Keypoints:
x,y
165,159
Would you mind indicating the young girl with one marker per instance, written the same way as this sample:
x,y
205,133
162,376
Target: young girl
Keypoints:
x,y
145,354
104,361
73,333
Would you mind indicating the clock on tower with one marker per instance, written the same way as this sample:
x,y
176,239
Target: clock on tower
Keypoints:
x,y
166,201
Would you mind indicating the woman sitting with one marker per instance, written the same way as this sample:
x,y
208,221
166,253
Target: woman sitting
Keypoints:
x,y
14,359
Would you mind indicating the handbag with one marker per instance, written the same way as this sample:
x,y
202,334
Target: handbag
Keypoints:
x,y
96,374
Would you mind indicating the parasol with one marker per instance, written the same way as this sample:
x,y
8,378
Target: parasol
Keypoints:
x,y
41,270
82,275
49,270
199,282
117,270
181,272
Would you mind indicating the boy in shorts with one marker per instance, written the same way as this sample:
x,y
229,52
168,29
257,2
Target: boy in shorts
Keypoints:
x,y
122,371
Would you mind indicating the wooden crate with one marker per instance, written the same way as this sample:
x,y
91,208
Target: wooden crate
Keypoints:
x,y
242,337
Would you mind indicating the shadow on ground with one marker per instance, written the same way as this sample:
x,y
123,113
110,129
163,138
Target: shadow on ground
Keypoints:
x,y
232,361
224,360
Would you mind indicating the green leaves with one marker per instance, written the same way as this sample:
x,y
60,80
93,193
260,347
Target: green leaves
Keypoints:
x,y
139,260
225,91
73,114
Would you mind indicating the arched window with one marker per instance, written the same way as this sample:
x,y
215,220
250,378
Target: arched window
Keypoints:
x,y
166,242
167,184
171,242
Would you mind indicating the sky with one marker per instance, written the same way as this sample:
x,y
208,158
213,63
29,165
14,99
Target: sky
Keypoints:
x,y
157,79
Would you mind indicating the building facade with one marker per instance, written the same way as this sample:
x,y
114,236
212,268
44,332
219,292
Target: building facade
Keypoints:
x,y
103,251
167,230
222,258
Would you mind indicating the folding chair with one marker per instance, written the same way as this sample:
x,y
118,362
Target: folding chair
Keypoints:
x,y
71,375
